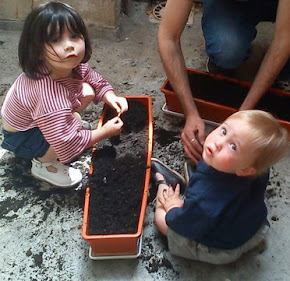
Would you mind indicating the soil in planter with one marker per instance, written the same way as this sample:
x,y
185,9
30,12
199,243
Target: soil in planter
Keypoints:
x,y
232,94
117,182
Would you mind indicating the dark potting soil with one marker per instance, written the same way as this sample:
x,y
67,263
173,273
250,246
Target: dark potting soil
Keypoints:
x,y
232,94
117,182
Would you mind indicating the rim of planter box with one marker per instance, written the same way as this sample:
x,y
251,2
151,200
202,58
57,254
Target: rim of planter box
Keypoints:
x,y
215,76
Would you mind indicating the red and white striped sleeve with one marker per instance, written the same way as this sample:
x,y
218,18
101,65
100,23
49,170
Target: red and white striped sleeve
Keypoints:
x,y
63,132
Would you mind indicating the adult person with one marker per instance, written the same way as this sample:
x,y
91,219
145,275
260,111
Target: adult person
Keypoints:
x,y
229,27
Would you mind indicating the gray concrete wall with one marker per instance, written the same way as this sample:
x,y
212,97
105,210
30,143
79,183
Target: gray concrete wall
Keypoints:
x,y
101,16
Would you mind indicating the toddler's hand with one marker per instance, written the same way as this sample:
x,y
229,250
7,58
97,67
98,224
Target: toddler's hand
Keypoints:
x,y
171,198
113,127
120,104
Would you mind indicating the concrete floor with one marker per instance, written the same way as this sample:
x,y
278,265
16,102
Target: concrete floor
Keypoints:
x,y
40,227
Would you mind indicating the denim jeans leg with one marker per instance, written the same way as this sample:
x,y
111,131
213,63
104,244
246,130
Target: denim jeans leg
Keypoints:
x,y
229,27
26,144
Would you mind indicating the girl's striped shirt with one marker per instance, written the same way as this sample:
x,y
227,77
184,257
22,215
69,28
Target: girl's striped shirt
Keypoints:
x,y
49,104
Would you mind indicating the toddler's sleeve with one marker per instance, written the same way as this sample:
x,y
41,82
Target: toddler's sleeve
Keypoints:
x,y
190,221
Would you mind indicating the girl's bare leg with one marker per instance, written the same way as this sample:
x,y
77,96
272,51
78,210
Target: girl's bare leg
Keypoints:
x,y
160,213
77,116
49,156
89,95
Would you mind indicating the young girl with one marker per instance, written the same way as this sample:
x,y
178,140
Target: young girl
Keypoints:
x,y
41,119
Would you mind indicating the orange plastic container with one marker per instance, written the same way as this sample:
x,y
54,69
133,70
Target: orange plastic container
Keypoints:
x,y
213,111
121,245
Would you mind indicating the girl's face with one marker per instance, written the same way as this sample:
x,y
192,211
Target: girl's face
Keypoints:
x,y
228,147
63,53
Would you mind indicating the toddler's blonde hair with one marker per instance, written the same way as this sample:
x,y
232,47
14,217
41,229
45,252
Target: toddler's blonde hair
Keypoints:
x,y
269,139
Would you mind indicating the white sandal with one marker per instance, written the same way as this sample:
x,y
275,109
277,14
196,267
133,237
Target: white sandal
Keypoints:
x,y
64,177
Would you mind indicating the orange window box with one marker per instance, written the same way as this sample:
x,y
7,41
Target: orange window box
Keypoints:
x,y
123,245
217,97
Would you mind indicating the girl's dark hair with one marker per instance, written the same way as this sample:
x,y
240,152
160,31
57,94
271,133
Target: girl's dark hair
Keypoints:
x,y
40,27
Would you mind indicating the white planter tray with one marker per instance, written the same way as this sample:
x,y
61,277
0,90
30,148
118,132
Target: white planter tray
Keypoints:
x,y
177,114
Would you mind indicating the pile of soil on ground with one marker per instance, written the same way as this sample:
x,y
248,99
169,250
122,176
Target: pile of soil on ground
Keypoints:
x,y
117,181
232,94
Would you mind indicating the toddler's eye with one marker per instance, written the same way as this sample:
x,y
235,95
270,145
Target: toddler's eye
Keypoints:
x,y
233,146
224,131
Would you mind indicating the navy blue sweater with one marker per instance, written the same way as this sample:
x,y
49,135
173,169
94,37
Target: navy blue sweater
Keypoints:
x,y
221,210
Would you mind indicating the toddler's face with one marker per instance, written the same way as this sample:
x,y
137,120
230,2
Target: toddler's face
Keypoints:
x,y
228,147
64,53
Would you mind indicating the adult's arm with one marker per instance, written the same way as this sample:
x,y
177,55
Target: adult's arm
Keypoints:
x,y
172,25
275,58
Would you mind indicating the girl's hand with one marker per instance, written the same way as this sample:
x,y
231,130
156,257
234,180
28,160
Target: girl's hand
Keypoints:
x,y
171,199
120,104
113,127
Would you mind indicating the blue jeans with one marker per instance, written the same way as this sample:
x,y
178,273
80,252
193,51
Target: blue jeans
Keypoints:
x,y
229,27
27,144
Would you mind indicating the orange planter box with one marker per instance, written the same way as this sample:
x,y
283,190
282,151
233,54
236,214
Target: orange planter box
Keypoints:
x,y
211,107
120,245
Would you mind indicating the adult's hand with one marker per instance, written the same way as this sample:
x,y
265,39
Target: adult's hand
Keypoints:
x,y
193,136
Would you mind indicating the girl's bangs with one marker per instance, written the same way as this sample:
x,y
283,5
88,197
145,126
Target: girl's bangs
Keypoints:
x,y
60,22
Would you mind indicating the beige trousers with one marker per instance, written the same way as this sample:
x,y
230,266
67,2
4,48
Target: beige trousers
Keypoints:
x,y
189,249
